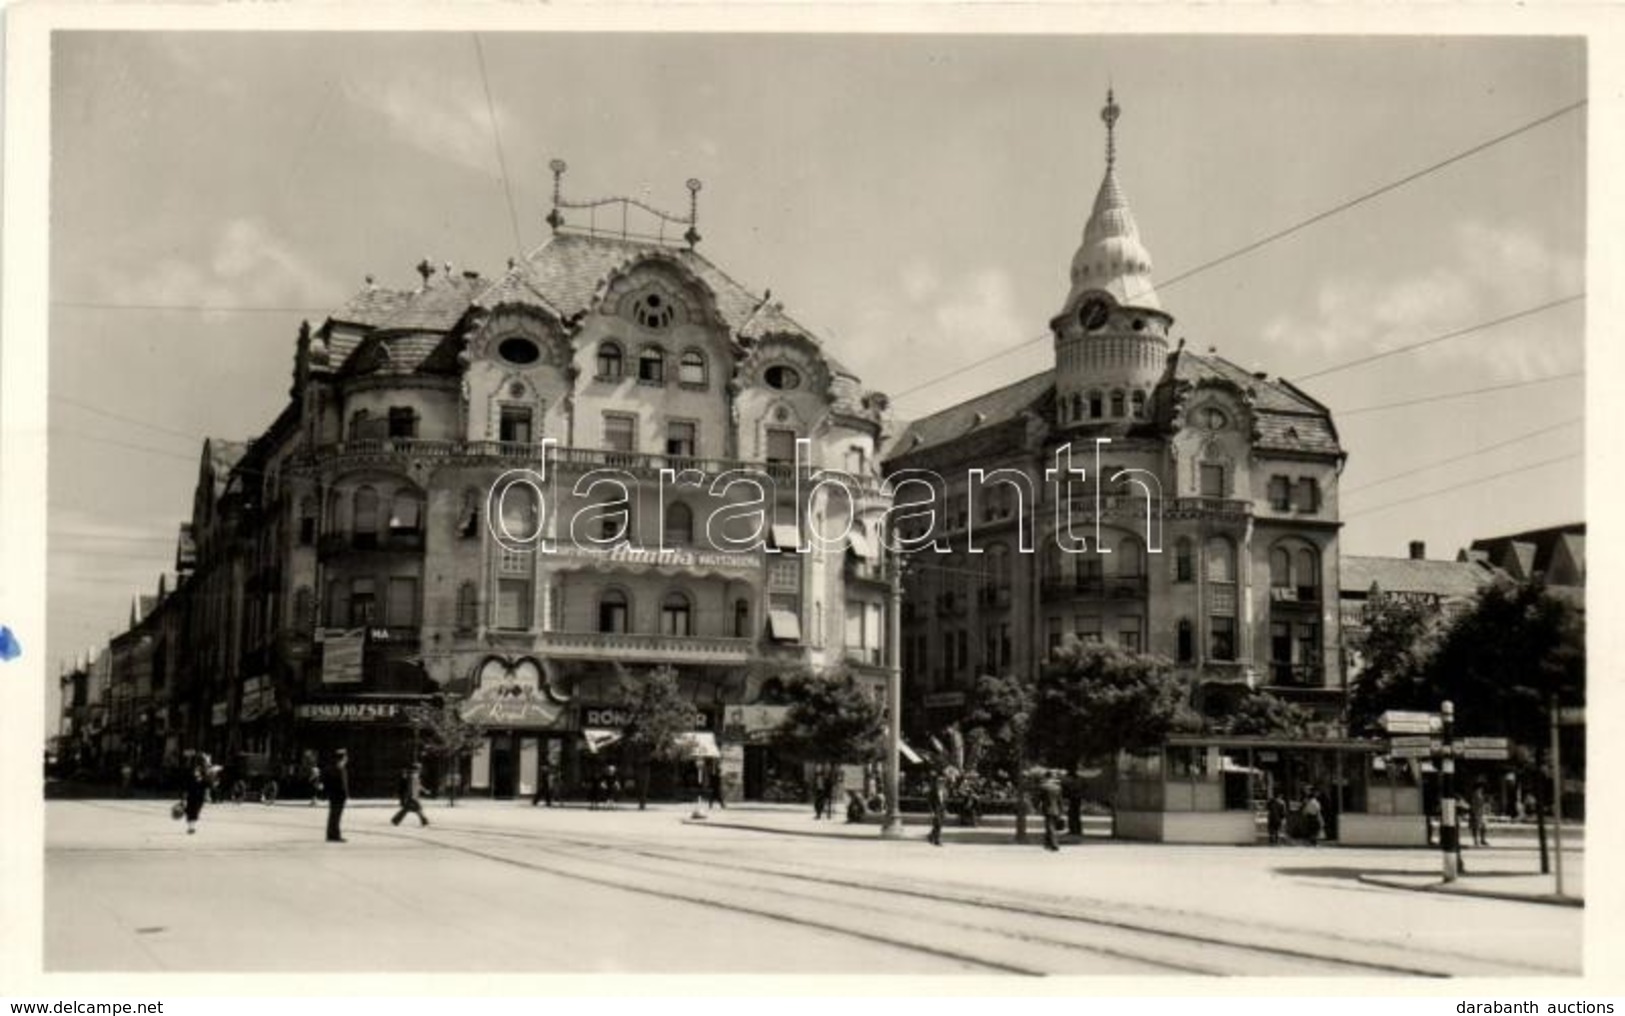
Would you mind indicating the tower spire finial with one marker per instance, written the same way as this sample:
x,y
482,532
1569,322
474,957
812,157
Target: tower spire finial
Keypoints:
x,y
1110,113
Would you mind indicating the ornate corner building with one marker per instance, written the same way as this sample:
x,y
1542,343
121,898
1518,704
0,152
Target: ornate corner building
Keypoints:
x,y
1204,529
510,492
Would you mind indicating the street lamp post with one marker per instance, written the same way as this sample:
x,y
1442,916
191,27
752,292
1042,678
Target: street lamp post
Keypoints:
x,y
1449,837
892,827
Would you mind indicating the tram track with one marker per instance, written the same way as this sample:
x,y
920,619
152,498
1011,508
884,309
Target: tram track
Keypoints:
x,y
1010,932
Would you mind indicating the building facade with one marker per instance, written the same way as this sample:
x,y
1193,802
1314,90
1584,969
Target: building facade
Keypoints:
x,y
1203,525
510,495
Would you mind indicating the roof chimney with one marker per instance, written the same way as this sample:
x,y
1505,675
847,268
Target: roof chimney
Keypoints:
x,y
1419,550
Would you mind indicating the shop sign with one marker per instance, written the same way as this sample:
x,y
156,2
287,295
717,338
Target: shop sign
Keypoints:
x,y
754,724
350,712
945,700
675,557
341,658
217,715
619,718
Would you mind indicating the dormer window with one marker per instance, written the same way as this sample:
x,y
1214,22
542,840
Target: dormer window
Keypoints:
x,y
782,378
653,311
519,351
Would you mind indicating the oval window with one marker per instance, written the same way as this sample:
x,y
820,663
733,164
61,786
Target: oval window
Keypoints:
x,y
782,377
519,351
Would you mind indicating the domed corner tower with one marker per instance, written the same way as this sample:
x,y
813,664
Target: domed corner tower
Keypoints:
x,y
1111,337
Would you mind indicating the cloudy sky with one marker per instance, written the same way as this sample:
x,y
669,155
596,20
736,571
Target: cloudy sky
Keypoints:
x,y
914,199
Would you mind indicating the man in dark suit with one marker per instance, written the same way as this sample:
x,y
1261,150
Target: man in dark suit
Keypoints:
x,y
934,800
338,792
1049,790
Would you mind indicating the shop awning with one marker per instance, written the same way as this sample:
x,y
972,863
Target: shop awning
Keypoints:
x,y
598,739
784,625
786,537
699,744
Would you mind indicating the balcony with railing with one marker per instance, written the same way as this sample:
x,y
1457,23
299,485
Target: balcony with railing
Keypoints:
x,y
1290,596
643,647
534,454
1297,675
388,541
1100,587
1209,506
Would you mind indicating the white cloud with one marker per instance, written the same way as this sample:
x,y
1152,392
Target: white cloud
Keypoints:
x,y
249,265
448,120
1493,272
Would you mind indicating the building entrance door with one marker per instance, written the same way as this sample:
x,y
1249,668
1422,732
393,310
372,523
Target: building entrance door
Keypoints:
x,y
504,766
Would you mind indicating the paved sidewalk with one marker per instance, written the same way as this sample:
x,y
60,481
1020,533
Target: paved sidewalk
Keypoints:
x,y
1508,872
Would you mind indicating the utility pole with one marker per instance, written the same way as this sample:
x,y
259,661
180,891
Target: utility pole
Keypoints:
x,y
1449,838
1557,799
892,827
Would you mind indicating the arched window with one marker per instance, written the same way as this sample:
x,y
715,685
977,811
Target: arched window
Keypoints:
x,y
307,521
691,369
406,512
1184,570
1280,568
1187,643
609,361
679,524
1130,564
1117,403
468,607
651,366
741,619
365,522
518,512
358,424
1096,406
616,521
1221,560
675,616
1308,574
613,612
1137,401
1077,407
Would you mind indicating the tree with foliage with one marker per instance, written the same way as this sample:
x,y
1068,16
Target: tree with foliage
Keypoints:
x,y
657,714
1395,650
831,720
447,736
1096,701
1263,714
998,738
1504,661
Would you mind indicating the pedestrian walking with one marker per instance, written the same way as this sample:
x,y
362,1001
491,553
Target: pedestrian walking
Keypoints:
x,y
198,780
338,792
612,788
714,784
1481,817
314,775
1275,813
832,790
934,801
1311,818
409,789
544,786
819,790
1050,796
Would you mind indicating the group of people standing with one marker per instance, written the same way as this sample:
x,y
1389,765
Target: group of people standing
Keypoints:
x,y
202,775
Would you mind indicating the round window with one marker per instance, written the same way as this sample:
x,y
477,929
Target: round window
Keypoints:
x,y
519,351
782,377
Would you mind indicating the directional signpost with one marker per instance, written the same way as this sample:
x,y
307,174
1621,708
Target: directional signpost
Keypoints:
x,y
1495,748
1396,721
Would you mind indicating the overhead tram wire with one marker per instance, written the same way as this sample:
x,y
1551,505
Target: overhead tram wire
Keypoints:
x,y
1463,485
1277,235
496,134
87,407
1481,326
1425,400
1466,455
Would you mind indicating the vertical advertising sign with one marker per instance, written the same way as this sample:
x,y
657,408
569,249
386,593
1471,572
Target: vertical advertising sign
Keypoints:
x,y
341,658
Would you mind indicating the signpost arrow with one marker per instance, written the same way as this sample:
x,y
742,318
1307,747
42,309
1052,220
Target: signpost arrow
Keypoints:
x,y
1413,741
